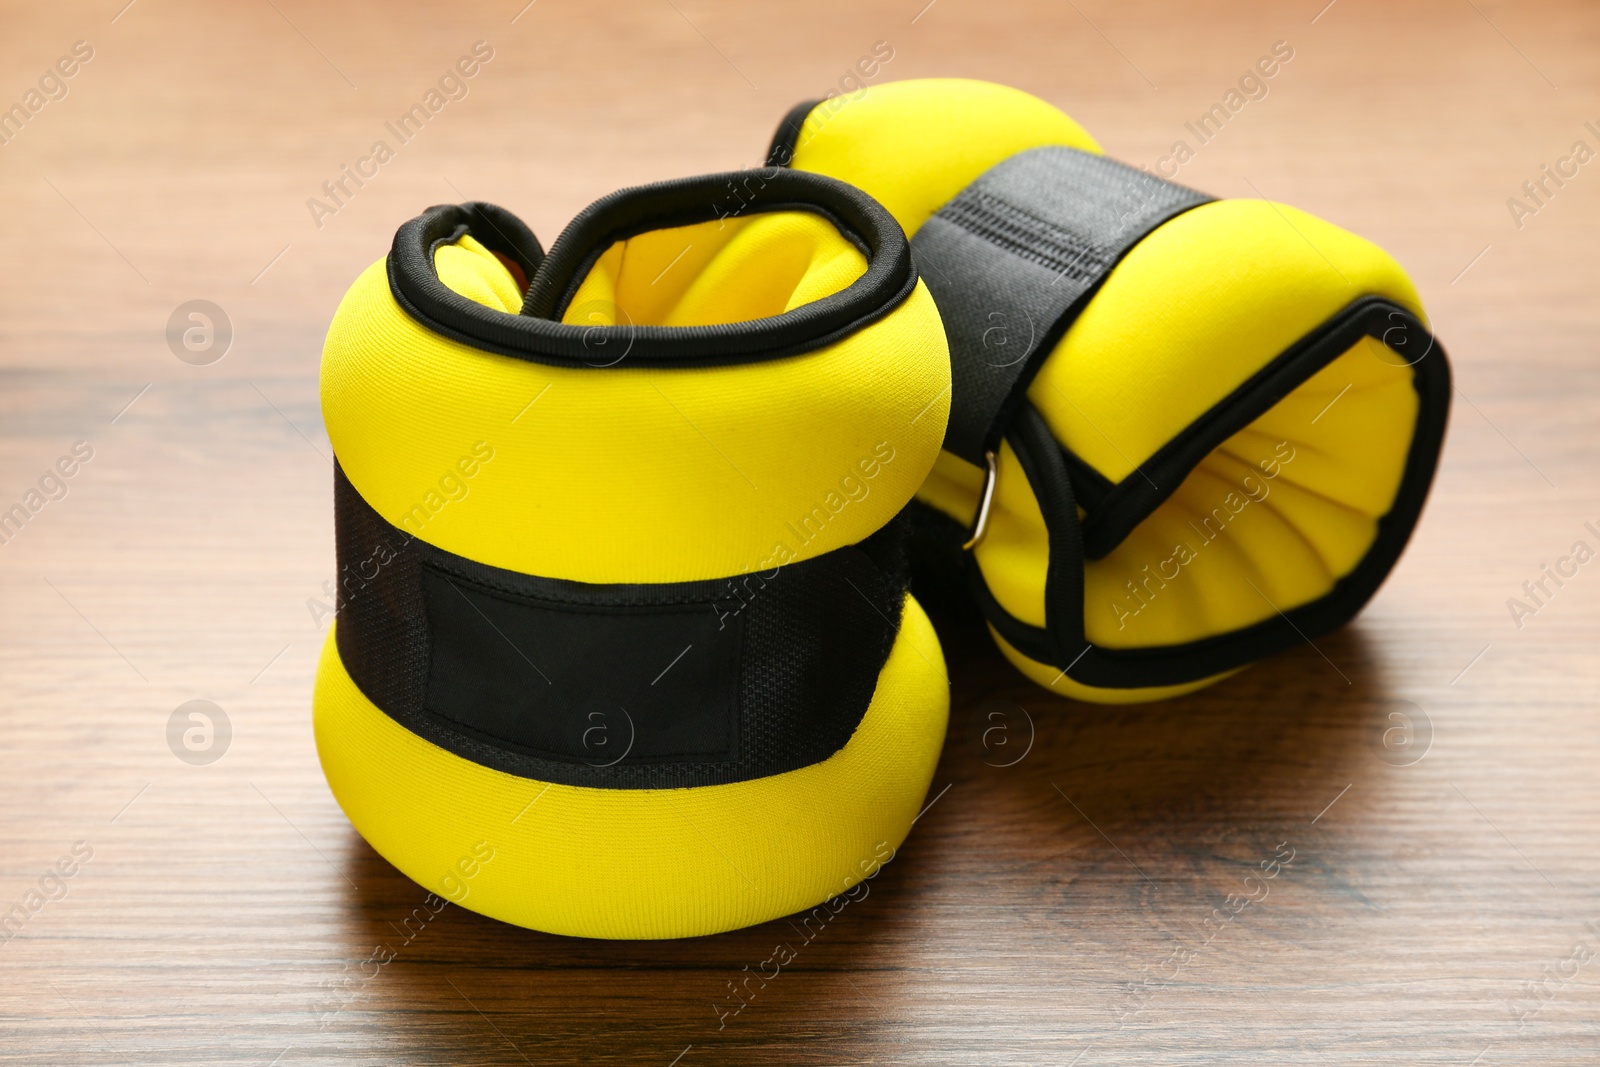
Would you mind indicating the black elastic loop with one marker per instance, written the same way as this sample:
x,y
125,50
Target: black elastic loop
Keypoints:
x,y
1046,469
535,335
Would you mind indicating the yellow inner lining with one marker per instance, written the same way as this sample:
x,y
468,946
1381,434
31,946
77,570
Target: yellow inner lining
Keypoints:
x,y
733,270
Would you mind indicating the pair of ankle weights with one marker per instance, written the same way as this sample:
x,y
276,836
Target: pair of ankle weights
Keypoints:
x,y
625,529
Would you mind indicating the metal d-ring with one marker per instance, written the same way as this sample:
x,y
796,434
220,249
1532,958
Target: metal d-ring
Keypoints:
x,y
981,526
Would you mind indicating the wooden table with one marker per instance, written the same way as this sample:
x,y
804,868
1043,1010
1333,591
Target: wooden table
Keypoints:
x,y
1441,911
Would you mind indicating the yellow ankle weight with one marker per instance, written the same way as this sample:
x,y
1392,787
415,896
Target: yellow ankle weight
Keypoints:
x,y
623,644
1207,426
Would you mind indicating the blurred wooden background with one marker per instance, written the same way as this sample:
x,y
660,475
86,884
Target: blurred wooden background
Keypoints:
x,y
1049,911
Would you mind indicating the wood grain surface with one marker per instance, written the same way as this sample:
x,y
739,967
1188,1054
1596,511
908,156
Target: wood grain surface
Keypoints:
x,y
1080,890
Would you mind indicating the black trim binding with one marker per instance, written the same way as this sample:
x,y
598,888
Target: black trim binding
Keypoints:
x,y
1091,486
780,153
626,686
537,334
1046,470
1117,508
1061,642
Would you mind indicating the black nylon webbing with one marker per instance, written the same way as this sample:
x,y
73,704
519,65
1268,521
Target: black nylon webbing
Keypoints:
x,y
658,686
1013,258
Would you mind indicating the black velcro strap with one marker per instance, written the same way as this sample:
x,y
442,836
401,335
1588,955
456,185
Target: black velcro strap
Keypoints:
x,y
627,686
538,335
1014,257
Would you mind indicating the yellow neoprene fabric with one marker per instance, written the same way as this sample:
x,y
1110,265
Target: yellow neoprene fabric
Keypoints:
x,y
640,863
912,145
1192,311
634,474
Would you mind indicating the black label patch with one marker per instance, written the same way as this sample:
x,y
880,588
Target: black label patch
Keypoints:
x,y
604,685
